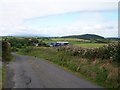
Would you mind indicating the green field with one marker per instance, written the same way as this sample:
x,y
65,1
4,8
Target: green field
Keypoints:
x,y
90,45
65,39
76,42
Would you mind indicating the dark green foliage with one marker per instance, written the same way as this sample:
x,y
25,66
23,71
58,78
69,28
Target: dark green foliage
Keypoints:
x,y
15,49
18,43
33,40
6,51
27,50
41,43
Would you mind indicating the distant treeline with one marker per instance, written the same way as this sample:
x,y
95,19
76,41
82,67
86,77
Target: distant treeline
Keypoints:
x,y
18,43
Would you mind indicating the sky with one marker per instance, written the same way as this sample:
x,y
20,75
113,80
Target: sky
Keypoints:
x,y
59,17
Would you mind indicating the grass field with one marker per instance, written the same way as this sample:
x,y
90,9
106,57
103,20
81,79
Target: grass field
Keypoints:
x,y
65,39
90,45
76,42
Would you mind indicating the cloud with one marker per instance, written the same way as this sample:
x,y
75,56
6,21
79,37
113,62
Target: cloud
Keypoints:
x,y
18,10
13,13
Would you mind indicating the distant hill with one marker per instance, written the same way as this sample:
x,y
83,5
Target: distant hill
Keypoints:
x,y
85,36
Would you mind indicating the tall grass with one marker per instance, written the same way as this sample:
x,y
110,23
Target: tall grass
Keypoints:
x,y
1,77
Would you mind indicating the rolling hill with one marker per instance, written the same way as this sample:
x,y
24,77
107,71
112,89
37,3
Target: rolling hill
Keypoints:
x,y
85,36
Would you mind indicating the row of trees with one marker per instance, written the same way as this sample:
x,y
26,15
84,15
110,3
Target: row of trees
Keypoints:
x,y
10,44
18,43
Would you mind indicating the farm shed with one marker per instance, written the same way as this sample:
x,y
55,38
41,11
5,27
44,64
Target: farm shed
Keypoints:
x,y
52,44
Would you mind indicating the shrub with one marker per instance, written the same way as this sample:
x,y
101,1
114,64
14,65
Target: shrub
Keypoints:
x,y
14,49
6,51
27,50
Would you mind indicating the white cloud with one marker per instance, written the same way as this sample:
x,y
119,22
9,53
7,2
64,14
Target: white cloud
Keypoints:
x,y
14,12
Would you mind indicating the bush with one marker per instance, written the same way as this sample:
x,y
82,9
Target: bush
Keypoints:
x,y
27,50
42,44
14,49
6,51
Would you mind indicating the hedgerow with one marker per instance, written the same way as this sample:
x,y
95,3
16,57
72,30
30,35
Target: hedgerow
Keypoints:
x,y
109,52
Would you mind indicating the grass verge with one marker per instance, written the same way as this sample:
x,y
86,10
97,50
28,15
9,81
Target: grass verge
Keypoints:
x,y
3,75
0,78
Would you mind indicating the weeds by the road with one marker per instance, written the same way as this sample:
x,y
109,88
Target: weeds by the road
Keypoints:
x,y
99,71
3,75
0,78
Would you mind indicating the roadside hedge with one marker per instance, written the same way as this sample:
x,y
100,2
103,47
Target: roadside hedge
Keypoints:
x,y
110,52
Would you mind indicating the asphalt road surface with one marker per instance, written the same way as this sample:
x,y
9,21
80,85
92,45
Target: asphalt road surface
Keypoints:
x,y
31,72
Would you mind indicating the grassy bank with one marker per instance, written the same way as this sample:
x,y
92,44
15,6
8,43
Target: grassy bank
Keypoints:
x,y
3,75
0,78
101,72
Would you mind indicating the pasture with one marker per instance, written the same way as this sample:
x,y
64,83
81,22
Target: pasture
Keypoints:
x,y
75,42
90,45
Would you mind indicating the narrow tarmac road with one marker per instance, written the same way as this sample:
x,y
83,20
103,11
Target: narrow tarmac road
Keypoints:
x,y
30,72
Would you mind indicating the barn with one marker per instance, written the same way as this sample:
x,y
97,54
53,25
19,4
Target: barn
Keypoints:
x,y
53,44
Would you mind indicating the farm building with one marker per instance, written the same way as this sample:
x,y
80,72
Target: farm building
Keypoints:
x,y
52,44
